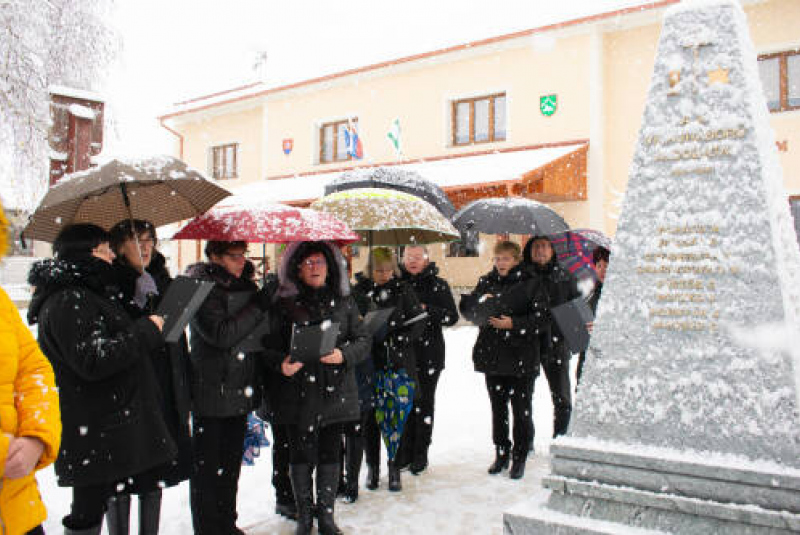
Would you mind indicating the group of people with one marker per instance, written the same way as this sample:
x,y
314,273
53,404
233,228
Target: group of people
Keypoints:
x,y
140,414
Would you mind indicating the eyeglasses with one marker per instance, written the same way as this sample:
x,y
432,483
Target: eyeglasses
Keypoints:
x,y
235,256
311,263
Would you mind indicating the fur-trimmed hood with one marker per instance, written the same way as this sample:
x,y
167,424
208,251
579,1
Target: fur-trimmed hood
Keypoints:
x,y
337,270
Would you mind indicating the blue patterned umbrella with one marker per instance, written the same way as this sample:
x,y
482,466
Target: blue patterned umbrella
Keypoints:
x,y
395,399
255,438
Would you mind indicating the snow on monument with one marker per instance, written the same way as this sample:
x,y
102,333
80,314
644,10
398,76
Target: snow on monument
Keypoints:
x,y
686,420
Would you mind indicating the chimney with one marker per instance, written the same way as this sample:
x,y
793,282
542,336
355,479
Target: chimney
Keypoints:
x,y
76,130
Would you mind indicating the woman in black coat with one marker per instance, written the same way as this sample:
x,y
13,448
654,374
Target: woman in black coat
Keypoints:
x,y
315,398
142,276
507,307
437,300
393,351
225,383
113,425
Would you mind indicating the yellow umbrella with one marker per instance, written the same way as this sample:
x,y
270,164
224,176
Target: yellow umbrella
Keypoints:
x,y
388,217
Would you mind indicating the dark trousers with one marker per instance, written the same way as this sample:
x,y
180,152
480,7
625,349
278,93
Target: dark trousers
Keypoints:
x,y
280,464
517,390
366,428
419,427
38,530
323,445
88,506
556,370
218,444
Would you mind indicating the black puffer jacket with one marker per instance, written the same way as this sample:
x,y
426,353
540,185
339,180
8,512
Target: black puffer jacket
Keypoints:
x,y
433,292
512,351
113,427
171,364
318,394
224,381
393,347
558,286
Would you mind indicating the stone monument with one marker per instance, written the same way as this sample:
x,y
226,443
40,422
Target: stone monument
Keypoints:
x,y
686,420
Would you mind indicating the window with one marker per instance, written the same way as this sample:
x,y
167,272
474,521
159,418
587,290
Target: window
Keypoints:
x,y
225,161
780,76
332,141
479,120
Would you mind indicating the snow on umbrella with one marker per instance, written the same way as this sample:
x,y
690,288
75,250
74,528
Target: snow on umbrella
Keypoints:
x,y
388,217
574,250
393,403
396,179
159,189
510,215
238,219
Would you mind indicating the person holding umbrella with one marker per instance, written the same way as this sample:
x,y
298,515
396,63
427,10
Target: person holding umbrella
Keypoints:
x,y
141,274
507,306
437,300
224,382
315,398
600,258
559,286
113,426
393,353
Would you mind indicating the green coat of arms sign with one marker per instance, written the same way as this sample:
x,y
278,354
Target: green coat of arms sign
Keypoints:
x,y
548,104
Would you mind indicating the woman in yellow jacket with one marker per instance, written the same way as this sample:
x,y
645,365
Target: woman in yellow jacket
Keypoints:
x,y
30,418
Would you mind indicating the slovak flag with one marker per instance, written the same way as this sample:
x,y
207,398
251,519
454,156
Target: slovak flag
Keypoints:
x,y
352,142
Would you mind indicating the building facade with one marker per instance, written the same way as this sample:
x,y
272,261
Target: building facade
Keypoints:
x,y
550,113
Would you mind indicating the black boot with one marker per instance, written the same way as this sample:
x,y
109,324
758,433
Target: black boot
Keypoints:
x,y
118,514
304,500
149,512
394,478
500,460
353,454
287,510
373,476
85,531
420,462
327,476
517,467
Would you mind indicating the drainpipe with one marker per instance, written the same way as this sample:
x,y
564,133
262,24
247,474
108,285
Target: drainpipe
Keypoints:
x,y
176,133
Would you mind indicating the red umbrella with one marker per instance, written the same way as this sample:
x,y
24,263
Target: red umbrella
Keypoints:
x,y
242,220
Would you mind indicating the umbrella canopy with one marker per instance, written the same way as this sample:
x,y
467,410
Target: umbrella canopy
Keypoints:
x,y
159,189
396,179
242,220
393,403
510,215
574,250
388,217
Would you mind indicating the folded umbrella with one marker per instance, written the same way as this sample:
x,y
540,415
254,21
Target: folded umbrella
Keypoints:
x,y
394,401
159,189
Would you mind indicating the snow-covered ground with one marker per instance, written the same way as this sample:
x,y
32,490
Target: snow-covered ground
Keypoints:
x,y
455,495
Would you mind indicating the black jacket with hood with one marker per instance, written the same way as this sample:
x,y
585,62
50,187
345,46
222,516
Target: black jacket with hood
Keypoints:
x,y
318,394
433,292
113,426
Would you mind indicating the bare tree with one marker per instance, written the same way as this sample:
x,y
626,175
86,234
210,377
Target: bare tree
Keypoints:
x,y
44,43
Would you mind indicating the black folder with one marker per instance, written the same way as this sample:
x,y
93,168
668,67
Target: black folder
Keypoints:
x,y
310,342
376,319
252,341
572,318
179,305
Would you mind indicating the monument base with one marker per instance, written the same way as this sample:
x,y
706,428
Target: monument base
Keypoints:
x,y
607,488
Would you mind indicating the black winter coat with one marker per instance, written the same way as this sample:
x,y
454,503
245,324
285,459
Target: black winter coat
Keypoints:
x,y
318,394
433,292
171,364
510,352
224,381
558,286
393,347
113,427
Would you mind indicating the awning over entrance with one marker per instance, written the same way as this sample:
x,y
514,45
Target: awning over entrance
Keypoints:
x,y
553,173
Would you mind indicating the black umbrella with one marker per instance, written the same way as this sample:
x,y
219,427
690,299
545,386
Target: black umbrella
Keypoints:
x,y
397,179
510,215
